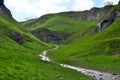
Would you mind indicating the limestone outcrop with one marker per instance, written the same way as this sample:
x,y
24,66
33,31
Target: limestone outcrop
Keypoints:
x,y
47,35
106,21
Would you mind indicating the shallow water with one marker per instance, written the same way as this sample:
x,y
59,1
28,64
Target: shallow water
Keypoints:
x,y
92,73
44,57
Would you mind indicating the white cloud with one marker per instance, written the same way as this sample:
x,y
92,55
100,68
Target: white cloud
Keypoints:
x,y
82,4
37,8
67,0
49,6
114,1
18,5
40,5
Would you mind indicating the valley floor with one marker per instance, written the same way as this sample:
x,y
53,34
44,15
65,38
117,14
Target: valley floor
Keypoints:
x,y
92,73
99,51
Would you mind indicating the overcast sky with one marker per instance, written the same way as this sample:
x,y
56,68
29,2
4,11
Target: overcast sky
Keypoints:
x,y
26,9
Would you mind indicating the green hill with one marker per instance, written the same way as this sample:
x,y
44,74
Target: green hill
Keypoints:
x,y
97,51
19,51
88,39
68,28
88,45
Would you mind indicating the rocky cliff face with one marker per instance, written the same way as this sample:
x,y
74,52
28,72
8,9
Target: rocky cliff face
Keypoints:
x,y
1,2
105,22
94,13
16,36
4,10
108,20
19,38
47,35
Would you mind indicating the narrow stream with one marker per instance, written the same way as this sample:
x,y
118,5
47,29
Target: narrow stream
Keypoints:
x,y
92,73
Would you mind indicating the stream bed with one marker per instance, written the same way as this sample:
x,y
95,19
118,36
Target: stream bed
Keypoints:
x,y
92,73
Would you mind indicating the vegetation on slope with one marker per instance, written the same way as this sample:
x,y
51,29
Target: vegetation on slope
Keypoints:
x,y
64,25
98,51
20,61
87,48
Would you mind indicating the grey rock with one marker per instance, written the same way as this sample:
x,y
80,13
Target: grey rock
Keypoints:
x,y
4,10
16,36
118,13
119,2
1,2
47,35
0,10
104,23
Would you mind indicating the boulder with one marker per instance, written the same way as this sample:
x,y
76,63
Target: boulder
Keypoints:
x,y
1,2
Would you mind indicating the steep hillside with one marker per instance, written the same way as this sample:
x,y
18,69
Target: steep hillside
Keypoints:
x,y
19,51
94,13
4,10
62,27
66,26
98,51
93,37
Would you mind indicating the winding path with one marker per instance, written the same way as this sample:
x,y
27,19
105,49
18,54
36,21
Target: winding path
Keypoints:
x,y
92,73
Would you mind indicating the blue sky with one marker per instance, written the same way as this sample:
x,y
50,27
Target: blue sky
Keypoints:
x,y
27,9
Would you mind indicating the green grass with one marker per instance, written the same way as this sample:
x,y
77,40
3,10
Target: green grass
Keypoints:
x,y
97,51
100,51
64,24
21,61
16,65
86,48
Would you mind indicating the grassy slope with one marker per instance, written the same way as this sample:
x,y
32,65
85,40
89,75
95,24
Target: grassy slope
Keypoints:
x,y
21,62
97,51
66,25
63,24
